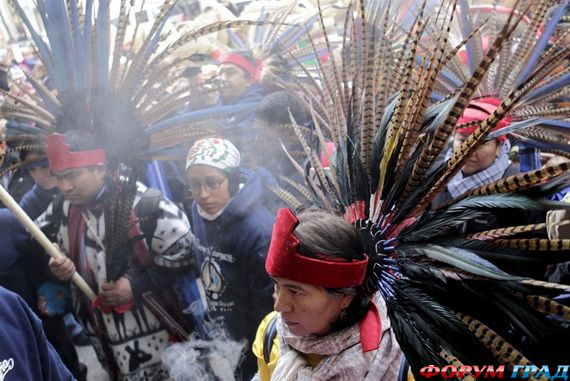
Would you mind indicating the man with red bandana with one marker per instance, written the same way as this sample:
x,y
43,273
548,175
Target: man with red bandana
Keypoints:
x,y
127,334
240,75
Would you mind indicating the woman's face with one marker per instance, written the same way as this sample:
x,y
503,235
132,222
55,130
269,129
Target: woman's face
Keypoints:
x,y
209,187
307,309
481,158
41,174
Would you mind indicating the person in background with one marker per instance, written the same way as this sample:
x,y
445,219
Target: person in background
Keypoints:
x,y
490,162
229,219
329,326
273,119
23,271
240,76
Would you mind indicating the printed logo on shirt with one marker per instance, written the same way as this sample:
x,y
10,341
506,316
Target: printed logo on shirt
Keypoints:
x,y
212,278
5,367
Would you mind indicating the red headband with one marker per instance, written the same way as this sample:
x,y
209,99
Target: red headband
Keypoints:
x,y
60,156
238,60
479,110
284,261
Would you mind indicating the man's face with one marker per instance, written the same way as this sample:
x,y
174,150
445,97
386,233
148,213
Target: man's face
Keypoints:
x,y
81,185
237,80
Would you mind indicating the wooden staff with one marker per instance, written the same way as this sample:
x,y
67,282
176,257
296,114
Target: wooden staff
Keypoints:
x,y
42,239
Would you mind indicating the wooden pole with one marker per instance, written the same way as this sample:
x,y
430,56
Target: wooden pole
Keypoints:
x,y
11,204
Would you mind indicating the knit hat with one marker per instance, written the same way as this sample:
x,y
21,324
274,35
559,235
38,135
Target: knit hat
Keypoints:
x,y
218,153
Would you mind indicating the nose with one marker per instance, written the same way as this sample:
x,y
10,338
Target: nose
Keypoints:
x,y
282,303
203,192
64,185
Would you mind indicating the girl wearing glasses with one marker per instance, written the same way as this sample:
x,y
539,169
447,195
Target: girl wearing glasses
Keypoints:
x,y
229,219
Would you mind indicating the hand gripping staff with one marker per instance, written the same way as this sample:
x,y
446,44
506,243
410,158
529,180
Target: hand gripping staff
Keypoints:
x,y
42,239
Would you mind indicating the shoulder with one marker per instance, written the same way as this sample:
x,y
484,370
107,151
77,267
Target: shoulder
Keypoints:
x,y
511,170
15,315
258,220
152,202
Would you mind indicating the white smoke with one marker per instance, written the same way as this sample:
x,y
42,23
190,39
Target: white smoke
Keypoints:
x,y
199,359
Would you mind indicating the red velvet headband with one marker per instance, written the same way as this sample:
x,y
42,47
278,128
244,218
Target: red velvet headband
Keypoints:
x,y
60,156
479,110
284,261
242,62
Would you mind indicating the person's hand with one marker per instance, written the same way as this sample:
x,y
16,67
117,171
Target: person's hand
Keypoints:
x,y
62,268
116,293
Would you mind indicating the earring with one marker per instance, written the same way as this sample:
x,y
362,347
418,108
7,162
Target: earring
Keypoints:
x,y
343,314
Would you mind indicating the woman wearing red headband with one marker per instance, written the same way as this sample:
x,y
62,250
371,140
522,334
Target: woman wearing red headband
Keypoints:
x,y
490,162
329,326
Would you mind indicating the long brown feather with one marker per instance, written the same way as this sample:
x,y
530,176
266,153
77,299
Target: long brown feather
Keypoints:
x,y
501,349
432,150
512,230
118,48
520,181
548,306
476,138
535,244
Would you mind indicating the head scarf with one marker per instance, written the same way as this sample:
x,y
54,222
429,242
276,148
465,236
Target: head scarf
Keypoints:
x,y
218,153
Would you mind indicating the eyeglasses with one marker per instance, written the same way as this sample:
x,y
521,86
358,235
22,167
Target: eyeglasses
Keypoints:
x,y
210,183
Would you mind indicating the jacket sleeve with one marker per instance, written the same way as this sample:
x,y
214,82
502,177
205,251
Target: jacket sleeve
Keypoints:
x,y
172,250
50,363
36,200
260,285
173,243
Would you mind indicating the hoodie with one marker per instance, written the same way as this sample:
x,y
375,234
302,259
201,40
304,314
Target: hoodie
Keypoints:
x,y
25,353
238,290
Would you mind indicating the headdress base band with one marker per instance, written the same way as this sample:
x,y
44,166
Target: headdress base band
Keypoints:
x,y
284,261
60,156
242,62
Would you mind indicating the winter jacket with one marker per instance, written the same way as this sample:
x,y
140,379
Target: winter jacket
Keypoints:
x,y
16,253
238,126
237,288
25,353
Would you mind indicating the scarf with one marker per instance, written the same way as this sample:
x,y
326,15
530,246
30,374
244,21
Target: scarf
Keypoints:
x,y
460,184
343,357
211,217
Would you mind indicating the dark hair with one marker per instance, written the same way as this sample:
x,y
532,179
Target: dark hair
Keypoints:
x,y
234,179
191,72
23,154
81,140
324,234
275,108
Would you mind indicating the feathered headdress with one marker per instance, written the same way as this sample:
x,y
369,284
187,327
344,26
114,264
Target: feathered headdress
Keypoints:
x,y
123,98
453,298
540,118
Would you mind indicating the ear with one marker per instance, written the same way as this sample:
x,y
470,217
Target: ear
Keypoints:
x,y
345,301
100,169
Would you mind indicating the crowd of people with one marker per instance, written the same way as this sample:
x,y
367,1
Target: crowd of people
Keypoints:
x,y
224,244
